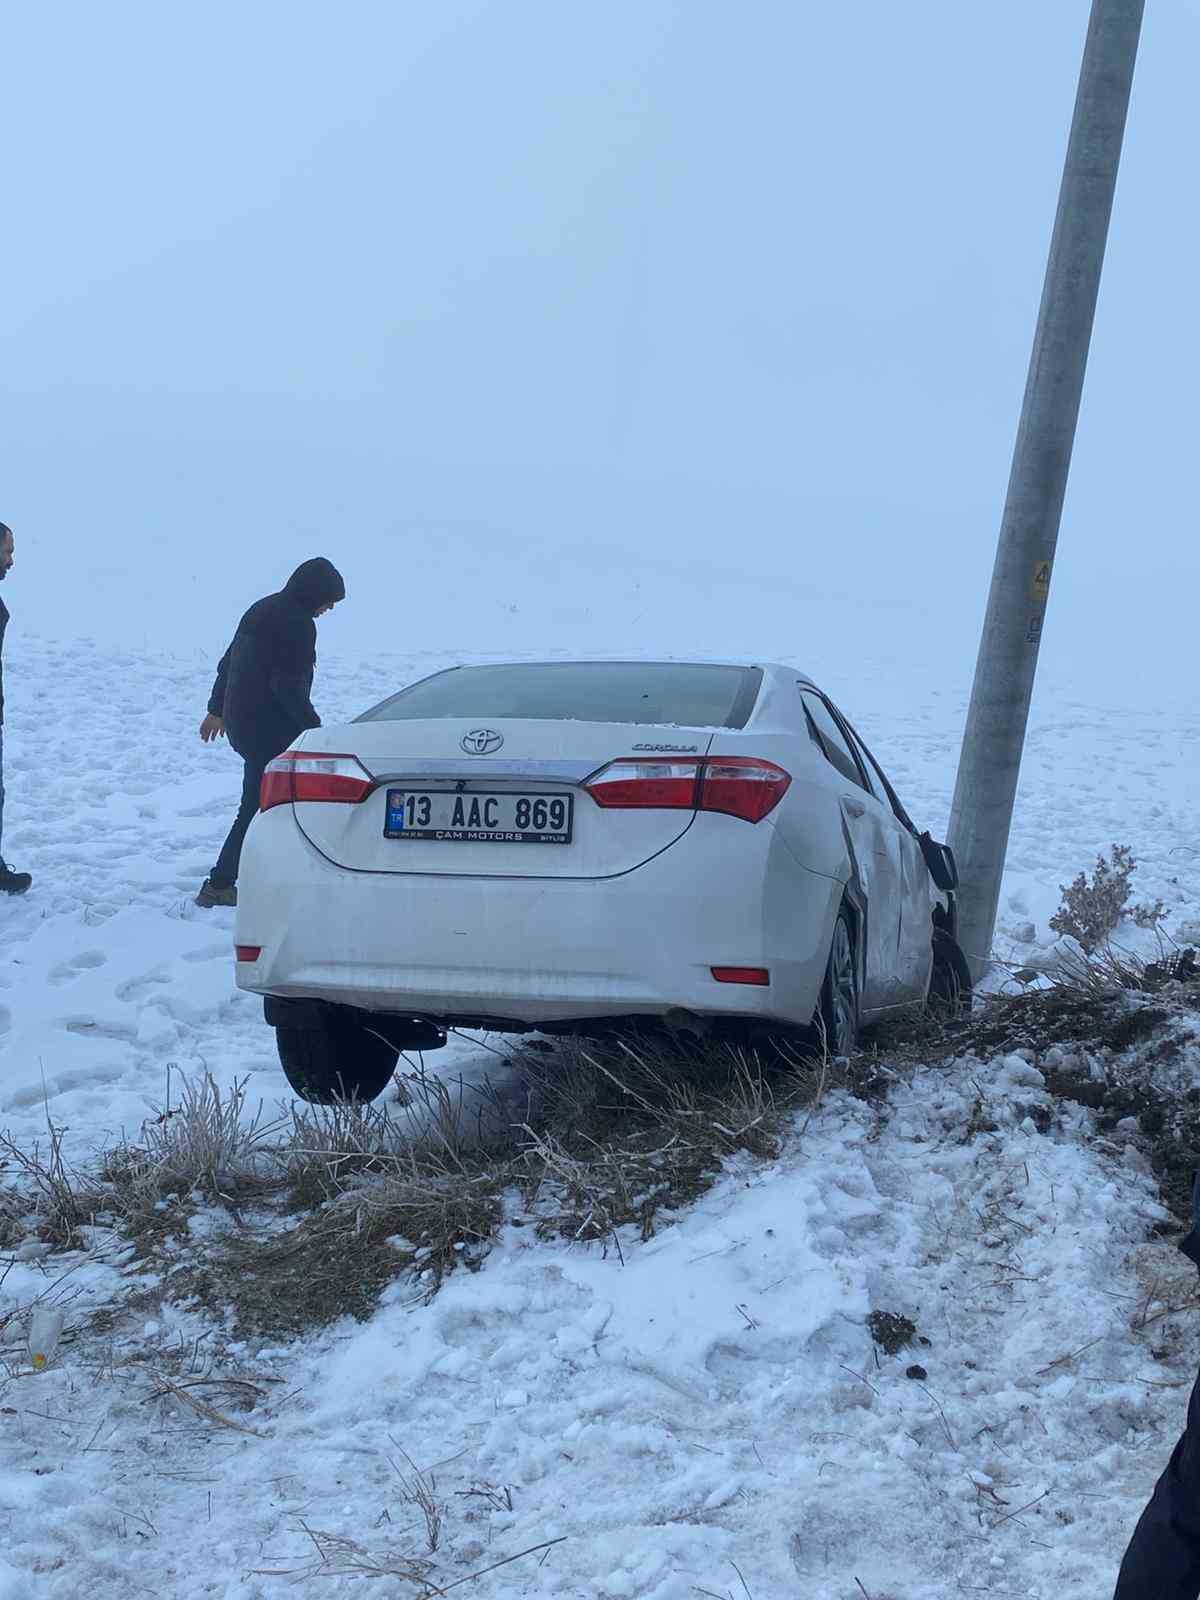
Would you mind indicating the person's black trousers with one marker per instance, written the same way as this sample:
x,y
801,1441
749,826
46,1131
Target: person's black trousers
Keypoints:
x,y
1163,1559
225,874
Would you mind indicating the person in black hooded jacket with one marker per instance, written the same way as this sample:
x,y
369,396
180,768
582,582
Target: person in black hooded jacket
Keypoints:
x,y
1163,1558
262,697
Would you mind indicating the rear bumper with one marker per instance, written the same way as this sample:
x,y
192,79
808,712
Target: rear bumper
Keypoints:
x,y
537,951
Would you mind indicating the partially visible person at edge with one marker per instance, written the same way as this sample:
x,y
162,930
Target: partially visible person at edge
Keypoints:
x,y
1163,1559
262,699
10,882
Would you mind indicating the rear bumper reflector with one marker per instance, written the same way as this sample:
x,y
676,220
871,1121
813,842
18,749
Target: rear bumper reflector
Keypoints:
x,y
755,975
247,952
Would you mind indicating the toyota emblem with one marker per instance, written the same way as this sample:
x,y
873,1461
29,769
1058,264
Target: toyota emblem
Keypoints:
x,y
481,741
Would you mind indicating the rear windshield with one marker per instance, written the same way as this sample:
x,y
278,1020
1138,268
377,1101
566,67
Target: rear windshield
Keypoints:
x,y
680,693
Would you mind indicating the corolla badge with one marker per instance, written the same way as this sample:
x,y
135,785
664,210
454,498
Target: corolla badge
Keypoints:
x,y
481,741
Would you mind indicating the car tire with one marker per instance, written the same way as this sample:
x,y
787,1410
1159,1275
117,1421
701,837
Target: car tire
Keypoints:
x,y
837,1020
338,1059
950,986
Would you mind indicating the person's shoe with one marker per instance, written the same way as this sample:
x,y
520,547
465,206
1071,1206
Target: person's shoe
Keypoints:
x,y
14,882
216,894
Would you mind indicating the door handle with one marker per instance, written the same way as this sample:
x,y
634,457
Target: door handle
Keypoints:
x,y
854,807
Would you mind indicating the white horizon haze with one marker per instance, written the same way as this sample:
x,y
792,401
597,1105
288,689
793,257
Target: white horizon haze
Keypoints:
x,y
657,325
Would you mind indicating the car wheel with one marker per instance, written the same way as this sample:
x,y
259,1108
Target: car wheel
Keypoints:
x,y
837,1015
337,1059
950,986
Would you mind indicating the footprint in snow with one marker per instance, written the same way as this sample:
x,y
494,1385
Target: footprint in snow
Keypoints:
x,y
61,1083
89,1028
86,961
136,989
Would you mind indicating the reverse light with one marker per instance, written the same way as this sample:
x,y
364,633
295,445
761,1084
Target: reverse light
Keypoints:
x,y
758,976
739,786
742,786
247,952
659,784
310,775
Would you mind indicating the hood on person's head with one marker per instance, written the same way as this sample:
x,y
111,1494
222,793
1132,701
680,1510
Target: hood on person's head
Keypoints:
x,y
315,584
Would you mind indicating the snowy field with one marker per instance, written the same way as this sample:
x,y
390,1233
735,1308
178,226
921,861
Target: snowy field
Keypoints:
x,y
708,1416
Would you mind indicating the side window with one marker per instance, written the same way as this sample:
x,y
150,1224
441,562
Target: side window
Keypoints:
x,y
833,740
863,757
883,784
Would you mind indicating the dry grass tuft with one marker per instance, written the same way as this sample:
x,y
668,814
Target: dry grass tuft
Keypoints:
x,y
1109,970
49,1198
410,1218
595,1137
335,1556
599,1137
14,1217
623,1131
419,1489
208,1142
327,1148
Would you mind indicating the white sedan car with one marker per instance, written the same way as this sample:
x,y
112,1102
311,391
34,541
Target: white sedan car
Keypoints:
x,y
576,846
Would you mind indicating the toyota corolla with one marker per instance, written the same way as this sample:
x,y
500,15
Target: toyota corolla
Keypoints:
x,y
575,846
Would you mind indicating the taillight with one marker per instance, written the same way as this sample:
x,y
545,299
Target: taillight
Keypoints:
x,y
247,952
760,977
738,786
311,775
742,786
662,785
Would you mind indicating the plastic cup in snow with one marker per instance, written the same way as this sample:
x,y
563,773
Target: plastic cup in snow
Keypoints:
x,y
45,1330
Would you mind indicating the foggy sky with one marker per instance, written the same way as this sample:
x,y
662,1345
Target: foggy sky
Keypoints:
x,y
650,324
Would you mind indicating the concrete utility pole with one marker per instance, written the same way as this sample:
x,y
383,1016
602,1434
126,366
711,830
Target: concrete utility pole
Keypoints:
x,y
995,734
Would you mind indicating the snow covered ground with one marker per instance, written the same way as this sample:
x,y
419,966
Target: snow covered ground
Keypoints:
x,y
709,1416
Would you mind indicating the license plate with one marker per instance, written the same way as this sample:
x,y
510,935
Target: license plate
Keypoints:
x,y
452,818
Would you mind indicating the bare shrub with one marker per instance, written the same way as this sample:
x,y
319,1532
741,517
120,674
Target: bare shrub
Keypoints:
x,y
1093,908
1148,914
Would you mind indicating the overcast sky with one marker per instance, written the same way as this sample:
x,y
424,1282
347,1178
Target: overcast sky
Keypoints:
x,y
651,322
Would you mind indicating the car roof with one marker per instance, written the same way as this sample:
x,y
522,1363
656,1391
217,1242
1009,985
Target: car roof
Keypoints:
x,y
750,662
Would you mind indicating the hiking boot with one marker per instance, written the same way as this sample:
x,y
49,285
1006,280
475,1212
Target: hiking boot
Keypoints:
x,y
14,882
216,894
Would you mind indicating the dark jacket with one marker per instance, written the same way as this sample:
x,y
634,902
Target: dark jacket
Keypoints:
x,y
264,682
1190,1243
3,630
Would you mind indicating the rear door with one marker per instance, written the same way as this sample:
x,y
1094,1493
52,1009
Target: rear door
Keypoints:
x,y
915,956
874,846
